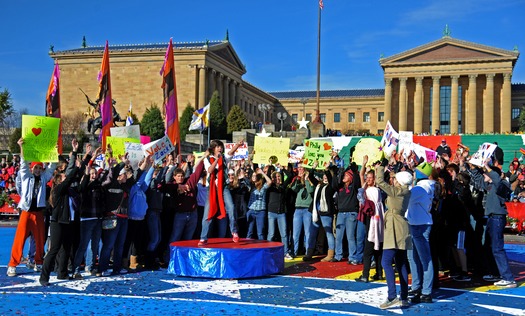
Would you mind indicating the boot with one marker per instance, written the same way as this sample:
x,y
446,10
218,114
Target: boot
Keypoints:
x,y
125,264
309,255
133,263
329,256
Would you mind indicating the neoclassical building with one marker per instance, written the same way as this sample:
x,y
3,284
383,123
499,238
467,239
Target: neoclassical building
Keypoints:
x,y
449,85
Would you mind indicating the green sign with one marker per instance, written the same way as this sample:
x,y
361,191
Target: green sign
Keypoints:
x,y
40,134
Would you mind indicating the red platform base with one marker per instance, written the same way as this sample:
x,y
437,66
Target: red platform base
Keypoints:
x,y
221,258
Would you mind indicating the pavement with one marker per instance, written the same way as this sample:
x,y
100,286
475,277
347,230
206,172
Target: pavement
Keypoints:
x,y
313,288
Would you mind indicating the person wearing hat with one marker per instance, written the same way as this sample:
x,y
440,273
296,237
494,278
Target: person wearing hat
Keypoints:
x,y
443,148
420,224
33,180
397,237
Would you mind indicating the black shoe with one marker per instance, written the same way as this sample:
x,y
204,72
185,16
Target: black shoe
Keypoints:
x,y
335,260
63,277
421,299
308,258
362,279
414,292
44,282
378,277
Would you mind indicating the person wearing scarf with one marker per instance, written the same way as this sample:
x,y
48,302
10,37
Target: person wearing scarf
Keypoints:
x,y
219,198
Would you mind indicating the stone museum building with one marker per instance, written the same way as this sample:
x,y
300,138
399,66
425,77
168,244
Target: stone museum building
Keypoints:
x,y
450,85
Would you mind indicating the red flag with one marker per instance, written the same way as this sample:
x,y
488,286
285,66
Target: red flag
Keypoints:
x,y
170,97
104,100
321,4
53,102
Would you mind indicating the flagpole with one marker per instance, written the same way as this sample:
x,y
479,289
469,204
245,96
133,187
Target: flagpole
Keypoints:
x,y
317,114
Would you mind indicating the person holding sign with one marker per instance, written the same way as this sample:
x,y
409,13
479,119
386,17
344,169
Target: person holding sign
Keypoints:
x,y
219,197
257,204
33,180
302,216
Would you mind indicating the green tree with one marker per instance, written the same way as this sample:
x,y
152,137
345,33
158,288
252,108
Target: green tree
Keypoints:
x,y
152,123
13,140
6,105
522,119
185,121
217,117
236,120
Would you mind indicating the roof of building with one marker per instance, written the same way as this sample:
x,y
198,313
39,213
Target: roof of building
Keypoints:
x,y
329,93
134,47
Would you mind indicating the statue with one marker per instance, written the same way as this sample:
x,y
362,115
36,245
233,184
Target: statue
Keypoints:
x,y
95,122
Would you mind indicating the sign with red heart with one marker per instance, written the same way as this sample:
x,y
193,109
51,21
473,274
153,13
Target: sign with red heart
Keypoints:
x,y
317,150
40,134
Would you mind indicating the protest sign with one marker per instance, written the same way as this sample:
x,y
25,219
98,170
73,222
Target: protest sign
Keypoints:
x,y
131,131
145,139
117,144
370,147
135,153
198,155
159,149
241,152
389,140
40,134
295,156
275,148
485,151
427,154
320,151
406,141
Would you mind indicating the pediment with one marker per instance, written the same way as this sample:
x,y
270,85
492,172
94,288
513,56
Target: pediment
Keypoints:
x,y
226,52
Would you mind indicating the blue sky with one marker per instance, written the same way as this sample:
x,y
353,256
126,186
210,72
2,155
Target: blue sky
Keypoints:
x,y
275,39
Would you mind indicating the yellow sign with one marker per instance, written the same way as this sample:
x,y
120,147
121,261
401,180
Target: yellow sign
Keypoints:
x,y
370,147
40,134
320,151
271,150
118,144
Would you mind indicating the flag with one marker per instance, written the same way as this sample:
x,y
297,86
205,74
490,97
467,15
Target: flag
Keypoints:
x,y
170,97
522,151
200,119
53,102
104,99
129,118
321,4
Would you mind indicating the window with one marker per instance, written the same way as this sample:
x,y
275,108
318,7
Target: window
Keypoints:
x,y
337,117
366,117
380,116
323,117
294,117
309,117
351,117
516,113
380,131
445,104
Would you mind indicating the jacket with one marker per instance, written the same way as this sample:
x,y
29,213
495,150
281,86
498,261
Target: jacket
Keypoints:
x,y
492,202
304,193
27,183
420,204
138,204
61,211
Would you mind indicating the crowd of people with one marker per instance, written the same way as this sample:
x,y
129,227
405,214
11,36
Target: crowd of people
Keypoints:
x,y
400,213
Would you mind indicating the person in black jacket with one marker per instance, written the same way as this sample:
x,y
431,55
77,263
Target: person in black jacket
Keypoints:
x,y
276,206
60,232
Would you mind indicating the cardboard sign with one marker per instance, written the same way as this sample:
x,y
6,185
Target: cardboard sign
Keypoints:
x,y
389,140
485,151
370,147
241,152
40,134
118,144
131,131
198,155
338,142
319,151
406,141
275,148
428,154
135,154
159,149
145,139
295,156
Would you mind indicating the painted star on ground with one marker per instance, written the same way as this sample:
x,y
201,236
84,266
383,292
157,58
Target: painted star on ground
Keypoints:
x,y
228,288
77,285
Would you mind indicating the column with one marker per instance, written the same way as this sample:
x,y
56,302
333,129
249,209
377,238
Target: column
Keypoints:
x,y
436,119
238,94
388,99
472,108
213,83
488,105
505,106
402,125
454,107
233,97
418,106
220,78
226,93
202,87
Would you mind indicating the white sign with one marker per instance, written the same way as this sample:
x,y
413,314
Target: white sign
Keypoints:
x,y
428,154
485,151
389,140
295,156
135,153
158,149
241,152
406,142
131,131
338,142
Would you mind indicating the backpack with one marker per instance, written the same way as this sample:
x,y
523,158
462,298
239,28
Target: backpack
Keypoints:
x,y
503,190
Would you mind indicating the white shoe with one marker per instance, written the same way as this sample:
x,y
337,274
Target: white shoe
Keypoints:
x,y
11,271
505,283
288,257
105,273
38,268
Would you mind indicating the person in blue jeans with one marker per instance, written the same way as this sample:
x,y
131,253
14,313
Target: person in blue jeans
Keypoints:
x,y
302,217
256,215
420,224
277,207
154,198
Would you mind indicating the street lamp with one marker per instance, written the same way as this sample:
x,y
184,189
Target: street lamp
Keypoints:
x,y
304,101
264,108
281,116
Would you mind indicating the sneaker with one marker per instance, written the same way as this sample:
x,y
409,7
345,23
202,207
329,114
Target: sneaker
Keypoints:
x,y
421,299
454,274
505,283
362,279
354,262
373,265
104,273
78,276
202,242
123,271
288,257
30,265
404,303
491,278
412,292
38,268
462,278
11,271
376,277
235,237
390,303
44,282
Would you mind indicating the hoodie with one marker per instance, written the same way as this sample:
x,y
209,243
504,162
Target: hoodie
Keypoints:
x,y
420,203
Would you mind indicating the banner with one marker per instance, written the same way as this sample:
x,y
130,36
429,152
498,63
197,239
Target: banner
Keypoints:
x,y
241,152
370,147
159,149
320,151
104,97
485,151
131,131
53,102
40,134
389,140
118,144
338,142
169,90
135,153
274,148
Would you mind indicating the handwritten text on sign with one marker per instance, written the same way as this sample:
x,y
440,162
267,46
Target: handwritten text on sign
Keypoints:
x,y
159,149
273,148
317,151
40,134
241,152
